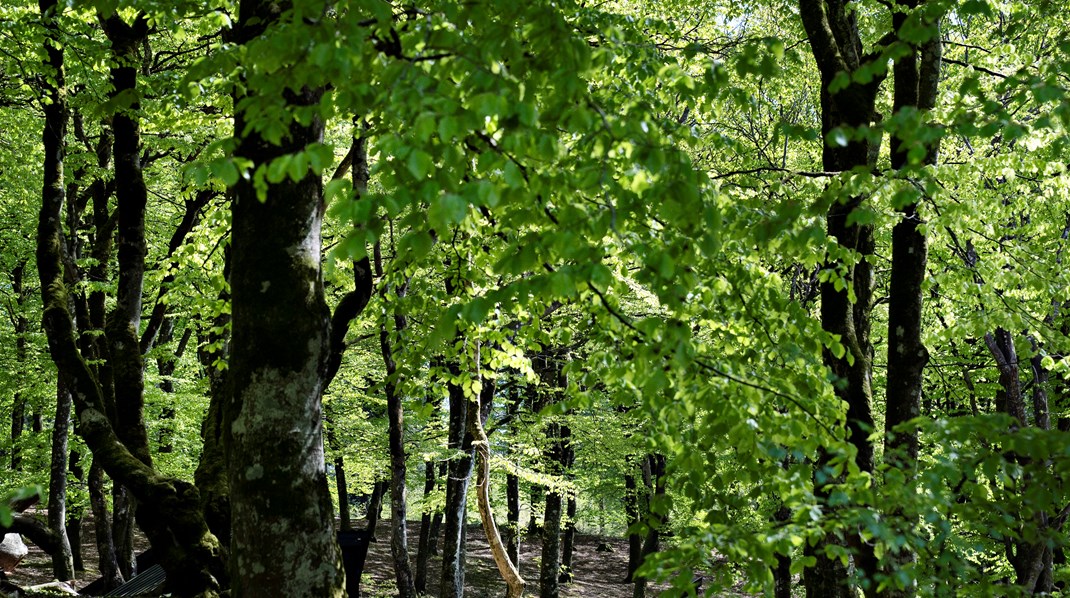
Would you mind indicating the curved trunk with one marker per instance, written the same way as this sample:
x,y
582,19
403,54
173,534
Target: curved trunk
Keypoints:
x,y
506,567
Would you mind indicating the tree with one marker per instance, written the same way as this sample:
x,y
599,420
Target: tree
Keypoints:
x,y
281,535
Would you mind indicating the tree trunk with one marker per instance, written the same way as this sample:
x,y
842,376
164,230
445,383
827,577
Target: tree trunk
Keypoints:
x,y
512,491
21,325
191,555
782,573
375,508
550,567
632,515
399,542
568,539
106,559
459,442
915,87
77,514
282,534
654,481
832,30
478,410
62,559
423,548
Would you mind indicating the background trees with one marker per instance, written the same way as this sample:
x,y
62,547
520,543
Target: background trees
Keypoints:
x,y
664,259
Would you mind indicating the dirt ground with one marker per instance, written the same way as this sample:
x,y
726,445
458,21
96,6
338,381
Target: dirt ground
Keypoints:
x,y
598,574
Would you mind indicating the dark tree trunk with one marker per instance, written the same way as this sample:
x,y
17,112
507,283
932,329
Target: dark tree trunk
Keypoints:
x,y
278,363
375,508
345,524
782,573
653,468
211,473
632,512
423,548
832,29
915,87
21,325
399,542
62,559
512,499
75,515
454,512
568,539
106,560
537,496
550,567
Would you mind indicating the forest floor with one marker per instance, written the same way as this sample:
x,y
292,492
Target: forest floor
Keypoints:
x,y
598,574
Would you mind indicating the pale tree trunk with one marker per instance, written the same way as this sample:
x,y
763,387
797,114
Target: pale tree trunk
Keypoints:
x,y
62,559
477,407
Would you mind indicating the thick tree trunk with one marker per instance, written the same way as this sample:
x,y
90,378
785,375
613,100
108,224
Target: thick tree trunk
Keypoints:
x,y
282,534
191,555
62,559
832,29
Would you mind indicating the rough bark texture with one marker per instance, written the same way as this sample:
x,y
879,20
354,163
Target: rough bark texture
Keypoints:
x,y
106,560
281,517
568,539
423,548
399,538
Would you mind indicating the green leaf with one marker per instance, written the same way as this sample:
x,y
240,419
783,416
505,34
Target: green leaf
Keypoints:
x,y
420,163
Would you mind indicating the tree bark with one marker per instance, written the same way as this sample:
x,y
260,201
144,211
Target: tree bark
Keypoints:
x,y
454,516
21,325
512,492
632,515
191,555
106,559
62,559
423,547
915,85
282,534
478,409
568,539
399,542
832,30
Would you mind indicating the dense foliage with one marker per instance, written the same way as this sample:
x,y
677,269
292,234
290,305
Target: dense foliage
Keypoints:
x,y
776,289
